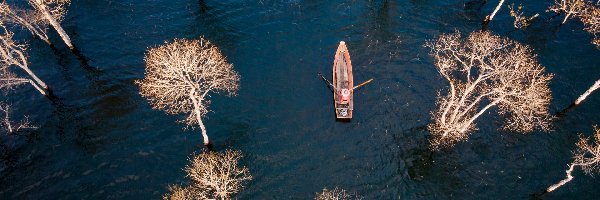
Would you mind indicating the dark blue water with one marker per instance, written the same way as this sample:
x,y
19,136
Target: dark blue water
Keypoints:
x,y
105,142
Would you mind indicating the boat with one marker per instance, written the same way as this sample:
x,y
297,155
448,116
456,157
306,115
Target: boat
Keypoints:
x,y
343,83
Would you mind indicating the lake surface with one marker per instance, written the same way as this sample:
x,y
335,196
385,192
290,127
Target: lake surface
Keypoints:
x,y
103,141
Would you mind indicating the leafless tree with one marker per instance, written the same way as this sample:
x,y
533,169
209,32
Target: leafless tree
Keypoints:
x,y
486,71
177,192
12,55
336,194
489,18
29,19
586,156
9,126
571,8
54,11
591,19
180,75
214,176
586,94
46,12
521,21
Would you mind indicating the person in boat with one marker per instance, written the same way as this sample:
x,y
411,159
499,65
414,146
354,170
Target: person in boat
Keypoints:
x,y
344,96
344,100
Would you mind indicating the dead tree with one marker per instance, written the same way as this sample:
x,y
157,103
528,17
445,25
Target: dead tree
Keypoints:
x,y
586,156
336,194
12,55
9,126
28,19
53,11
585,94
486,71
489,18
177,192
521,21
591,19
571,8
214,176
180,76
46,12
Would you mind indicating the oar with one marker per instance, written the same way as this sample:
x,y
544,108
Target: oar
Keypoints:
x,y
324,79
362,84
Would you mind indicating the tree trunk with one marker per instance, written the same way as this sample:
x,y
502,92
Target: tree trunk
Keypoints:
x,y
565,20
7,120
203,128
580,99
494,103
564,181
38,84
55,24
39,88
587,93
199,117
491,16
24,66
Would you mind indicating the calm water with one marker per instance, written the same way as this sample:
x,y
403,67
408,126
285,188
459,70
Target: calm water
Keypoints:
x,y
105,142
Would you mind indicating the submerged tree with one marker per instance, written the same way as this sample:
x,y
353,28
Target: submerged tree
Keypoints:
x,y
180,75
336,194
177,192
213,176
46,12
584,96
571,8
591,19
8,125
521,21
587,11
14,55
489,17
486,71
586,156
28,19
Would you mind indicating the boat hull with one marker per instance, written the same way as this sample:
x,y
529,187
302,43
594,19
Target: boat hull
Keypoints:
x,y
343,82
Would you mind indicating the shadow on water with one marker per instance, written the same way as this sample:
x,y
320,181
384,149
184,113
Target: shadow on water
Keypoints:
x,y
100,139
64,57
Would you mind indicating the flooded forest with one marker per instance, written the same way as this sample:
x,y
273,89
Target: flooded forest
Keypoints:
x,y
299,99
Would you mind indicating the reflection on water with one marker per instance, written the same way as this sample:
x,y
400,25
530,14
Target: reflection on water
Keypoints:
x,y
104,141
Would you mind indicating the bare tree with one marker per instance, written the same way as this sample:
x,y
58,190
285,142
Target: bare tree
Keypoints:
x,y
489,17
177,192
29,19
571,8
486,71
591,19
521,21
180,75
586,94
586,156
46,12
214,176
10,126
336,194
54,11
14,55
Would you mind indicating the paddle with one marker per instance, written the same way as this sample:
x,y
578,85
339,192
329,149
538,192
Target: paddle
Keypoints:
x,y
325,79
362,84
354,88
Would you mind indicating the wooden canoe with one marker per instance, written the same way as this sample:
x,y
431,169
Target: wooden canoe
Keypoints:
x,y
343,82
